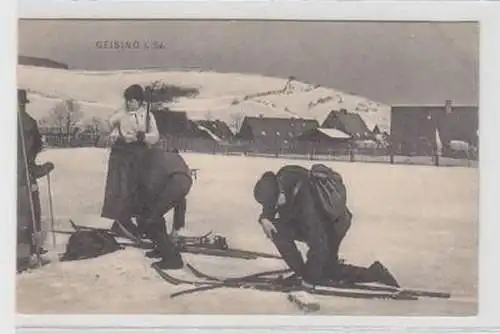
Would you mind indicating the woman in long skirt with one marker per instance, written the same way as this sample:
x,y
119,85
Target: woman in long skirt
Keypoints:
x,y
134,131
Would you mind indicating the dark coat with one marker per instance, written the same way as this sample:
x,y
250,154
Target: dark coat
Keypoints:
x,y
158,166
136,175
301,219
165,181
33,145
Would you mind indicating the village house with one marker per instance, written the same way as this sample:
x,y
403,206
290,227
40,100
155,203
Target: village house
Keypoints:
x,y
175,128
272,134
349,123
414,128
323,141
216,128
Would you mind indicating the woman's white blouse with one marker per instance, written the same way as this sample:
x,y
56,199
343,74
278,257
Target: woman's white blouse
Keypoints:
x,y
132,122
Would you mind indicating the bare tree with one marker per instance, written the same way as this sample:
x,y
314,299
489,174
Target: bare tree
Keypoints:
x,y
65,115
95,128
96,125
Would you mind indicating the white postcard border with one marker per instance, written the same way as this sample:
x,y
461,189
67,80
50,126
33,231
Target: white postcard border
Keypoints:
x,y
485,12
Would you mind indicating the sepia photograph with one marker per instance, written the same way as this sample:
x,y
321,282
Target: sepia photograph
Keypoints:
x,y
244,167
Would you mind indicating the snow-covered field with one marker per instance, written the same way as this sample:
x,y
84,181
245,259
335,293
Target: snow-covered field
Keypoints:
x,y
420,221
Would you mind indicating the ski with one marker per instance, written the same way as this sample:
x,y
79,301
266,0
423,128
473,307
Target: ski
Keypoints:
x,y
216,252
245,282
263,286
360,293
414,292
174,280
230,252
267,286
344,291
253,278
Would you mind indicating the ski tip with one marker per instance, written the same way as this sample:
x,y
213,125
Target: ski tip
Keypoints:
x,y
72,223
304,301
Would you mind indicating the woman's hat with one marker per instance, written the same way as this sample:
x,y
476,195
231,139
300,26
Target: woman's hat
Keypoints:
x,y
266,190
134,92
22,96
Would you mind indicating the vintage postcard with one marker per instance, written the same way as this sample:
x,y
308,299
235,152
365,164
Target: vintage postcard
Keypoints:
x,y
244,167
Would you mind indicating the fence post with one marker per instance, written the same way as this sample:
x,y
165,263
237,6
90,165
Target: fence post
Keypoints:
x,y
436,159
391,152
313,149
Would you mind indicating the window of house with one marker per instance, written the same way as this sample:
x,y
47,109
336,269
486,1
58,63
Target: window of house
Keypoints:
x,y
263,133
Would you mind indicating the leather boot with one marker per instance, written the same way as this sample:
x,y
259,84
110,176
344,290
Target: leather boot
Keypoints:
x,y
125,229
170,256
377,272
153,254
382,274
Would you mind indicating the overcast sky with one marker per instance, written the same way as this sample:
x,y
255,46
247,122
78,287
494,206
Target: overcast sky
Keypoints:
x,y
393,63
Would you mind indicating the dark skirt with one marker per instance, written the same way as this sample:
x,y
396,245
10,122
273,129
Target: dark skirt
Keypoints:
x,y
122,184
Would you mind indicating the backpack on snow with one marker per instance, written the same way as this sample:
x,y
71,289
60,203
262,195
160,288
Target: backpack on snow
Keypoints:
x,y
329,191
86,244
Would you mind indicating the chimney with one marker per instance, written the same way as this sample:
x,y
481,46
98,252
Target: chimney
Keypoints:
x,y
447,107
261,115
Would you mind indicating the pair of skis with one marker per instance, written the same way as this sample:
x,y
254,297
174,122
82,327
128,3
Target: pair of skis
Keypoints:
x,y
207,244
216,245
273,281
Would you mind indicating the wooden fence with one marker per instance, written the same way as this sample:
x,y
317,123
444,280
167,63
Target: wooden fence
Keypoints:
x,y
302,151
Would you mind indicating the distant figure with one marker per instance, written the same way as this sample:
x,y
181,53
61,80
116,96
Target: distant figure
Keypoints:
x,y
28,200
310,206
134,130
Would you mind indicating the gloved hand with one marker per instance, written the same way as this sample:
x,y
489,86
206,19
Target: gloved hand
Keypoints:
x,y
42,170
129,137
113,137
141,135
268,228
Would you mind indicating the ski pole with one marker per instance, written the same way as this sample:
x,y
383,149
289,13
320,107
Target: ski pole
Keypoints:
x,y
51,211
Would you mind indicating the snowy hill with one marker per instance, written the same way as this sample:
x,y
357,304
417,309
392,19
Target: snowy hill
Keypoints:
x,y
222,96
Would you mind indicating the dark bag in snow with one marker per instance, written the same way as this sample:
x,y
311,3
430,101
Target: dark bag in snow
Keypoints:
x,y
87,244
329,191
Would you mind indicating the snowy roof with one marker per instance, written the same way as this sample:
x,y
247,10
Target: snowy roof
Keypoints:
x,y
334,133
209,132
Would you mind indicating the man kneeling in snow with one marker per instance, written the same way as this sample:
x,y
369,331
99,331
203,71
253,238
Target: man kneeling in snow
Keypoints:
x,y
310,206
166,181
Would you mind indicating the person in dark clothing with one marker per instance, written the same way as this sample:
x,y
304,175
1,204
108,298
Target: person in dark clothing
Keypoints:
x,y
166,181
291,212
28,171
134,131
